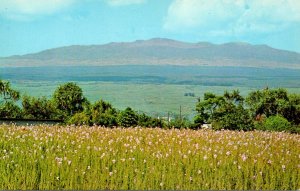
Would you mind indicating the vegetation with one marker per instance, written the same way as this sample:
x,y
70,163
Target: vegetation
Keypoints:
x,y
10,110
38,108
90,158
69,99
265,109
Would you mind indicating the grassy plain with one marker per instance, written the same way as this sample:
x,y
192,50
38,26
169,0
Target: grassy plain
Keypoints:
x,y
54,157
154,99
155,90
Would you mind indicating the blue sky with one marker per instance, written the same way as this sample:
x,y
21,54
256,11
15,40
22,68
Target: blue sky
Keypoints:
x,y
28,26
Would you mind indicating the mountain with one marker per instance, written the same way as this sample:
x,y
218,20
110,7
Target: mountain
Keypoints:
x,y
159,51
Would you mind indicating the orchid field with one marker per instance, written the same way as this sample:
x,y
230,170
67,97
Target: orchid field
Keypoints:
x,y
78,157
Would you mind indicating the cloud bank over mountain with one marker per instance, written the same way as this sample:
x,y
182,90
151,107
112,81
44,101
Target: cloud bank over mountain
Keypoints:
x,y
232,16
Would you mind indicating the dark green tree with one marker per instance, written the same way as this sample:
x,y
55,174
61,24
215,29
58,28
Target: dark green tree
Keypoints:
x,y
69,99
7,93
269,102
10,110
224,112
38,108
147,121
206,108
8,97
127,118
104,114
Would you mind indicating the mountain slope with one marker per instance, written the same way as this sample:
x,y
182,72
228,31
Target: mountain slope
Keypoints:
x,y
160,52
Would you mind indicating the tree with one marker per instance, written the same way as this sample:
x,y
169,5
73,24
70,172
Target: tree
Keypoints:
x,y
224,112
8,97
147,121
10,110
207,107
104,114
69,99
38,108
274,102
7,93
127,118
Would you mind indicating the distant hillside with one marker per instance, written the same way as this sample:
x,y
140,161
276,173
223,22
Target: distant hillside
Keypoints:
x,y
160,52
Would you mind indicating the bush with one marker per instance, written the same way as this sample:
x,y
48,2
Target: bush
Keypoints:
x,y
106,119
79,119
147,121
38,108
128,118
104,114
10,110
237,118
275,123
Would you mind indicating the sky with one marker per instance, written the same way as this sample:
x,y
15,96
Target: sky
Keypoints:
x,y
28,26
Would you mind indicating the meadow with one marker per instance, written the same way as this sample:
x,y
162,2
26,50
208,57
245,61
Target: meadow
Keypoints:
x,y
70,157
155,90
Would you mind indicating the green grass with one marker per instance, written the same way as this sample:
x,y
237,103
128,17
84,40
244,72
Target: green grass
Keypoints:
x,y
154,99
53,157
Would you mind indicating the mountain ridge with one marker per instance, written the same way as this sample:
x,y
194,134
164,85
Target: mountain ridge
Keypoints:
x,y
159,51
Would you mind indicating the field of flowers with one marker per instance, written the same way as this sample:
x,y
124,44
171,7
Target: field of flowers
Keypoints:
x,y
54,157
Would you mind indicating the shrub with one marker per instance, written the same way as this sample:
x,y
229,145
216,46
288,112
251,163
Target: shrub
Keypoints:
x,y
128,118
147,121
79,119
10,110
38,108
104,114
275,123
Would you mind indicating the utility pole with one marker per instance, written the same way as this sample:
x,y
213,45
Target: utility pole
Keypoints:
x,y
180,116
168,119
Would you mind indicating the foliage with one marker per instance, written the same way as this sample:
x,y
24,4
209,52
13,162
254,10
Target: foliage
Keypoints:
x,y
38,108
8,97
235,118
7,93
275,123
147,121
127,118
10,110
228,111
79,119
104,114
96,158
180,123
224,112
69,99
274,102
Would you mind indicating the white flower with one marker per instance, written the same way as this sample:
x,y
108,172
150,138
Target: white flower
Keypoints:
x,y
244,157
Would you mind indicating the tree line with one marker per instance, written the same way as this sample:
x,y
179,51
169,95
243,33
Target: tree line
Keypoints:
x,y
267,109
69,104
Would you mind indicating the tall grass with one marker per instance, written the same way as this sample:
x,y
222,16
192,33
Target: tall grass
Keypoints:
x,y
54,157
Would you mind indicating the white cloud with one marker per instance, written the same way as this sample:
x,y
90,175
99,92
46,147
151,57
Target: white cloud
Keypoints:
x,y
25,9
237,16
124,2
